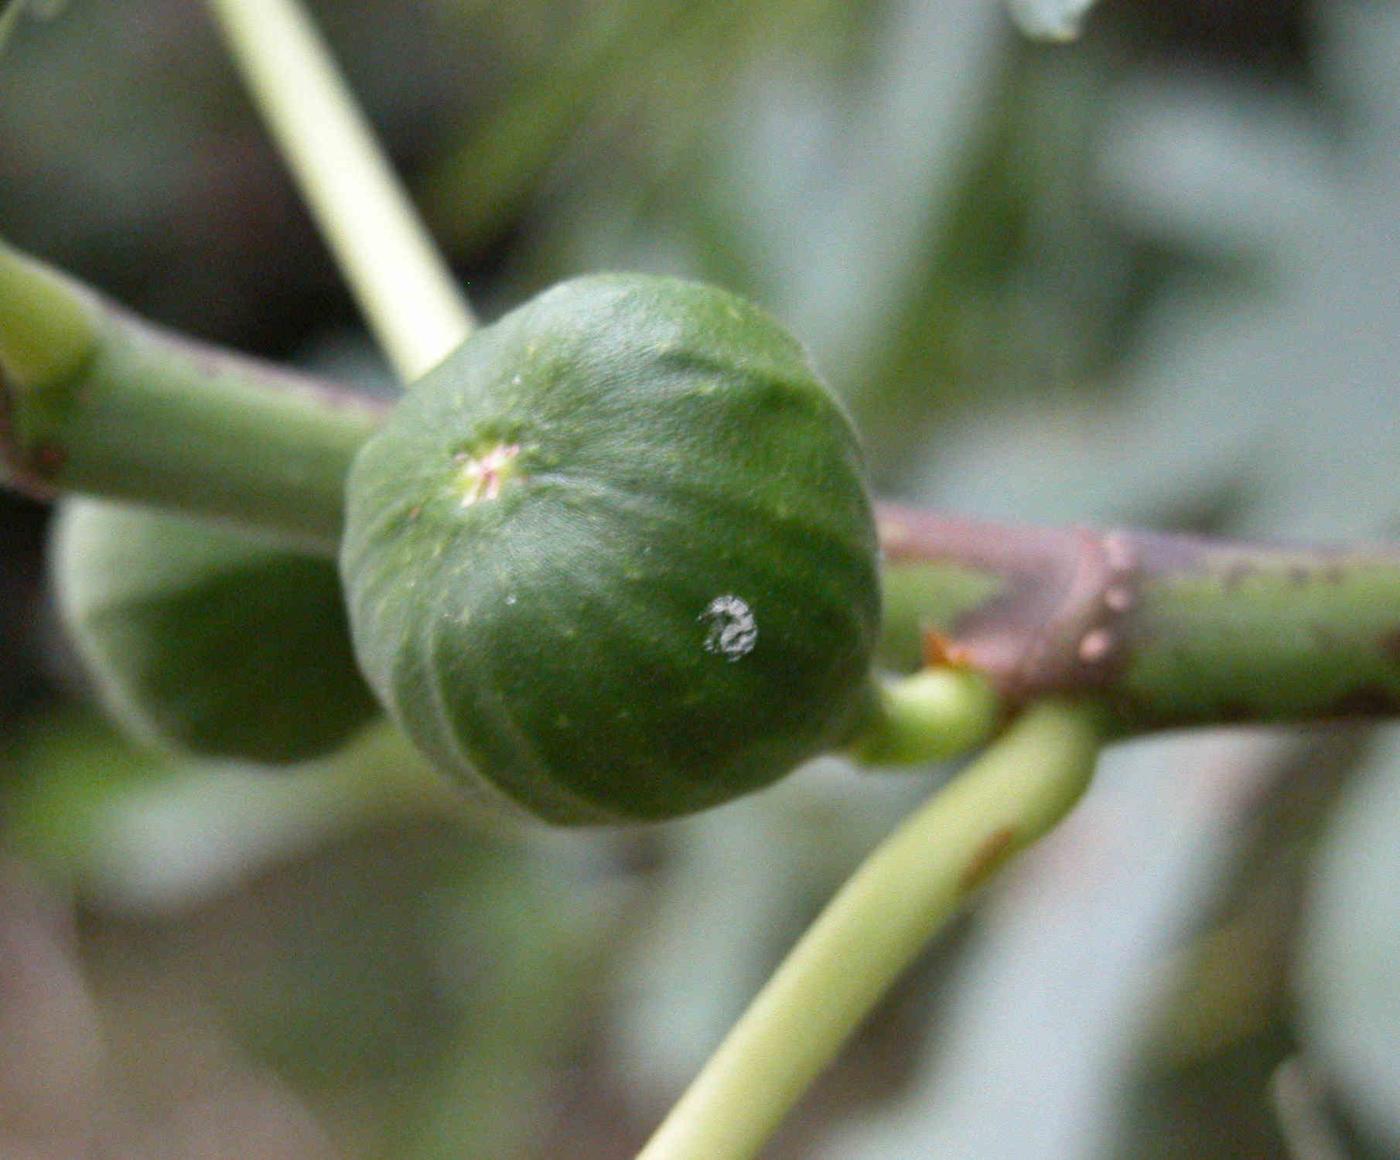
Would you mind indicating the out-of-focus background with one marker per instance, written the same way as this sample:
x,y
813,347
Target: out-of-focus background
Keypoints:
x,y
1152,276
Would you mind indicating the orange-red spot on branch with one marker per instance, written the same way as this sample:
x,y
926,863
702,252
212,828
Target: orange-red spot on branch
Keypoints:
x,y
941,651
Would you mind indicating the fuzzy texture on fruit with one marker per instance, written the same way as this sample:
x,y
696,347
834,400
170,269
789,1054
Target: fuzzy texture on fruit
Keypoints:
x,y
205,640
614,558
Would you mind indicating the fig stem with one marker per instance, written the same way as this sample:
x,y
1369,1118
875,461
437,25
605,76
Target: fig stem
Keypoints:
x,y
93,400
935,714
404,288
905,892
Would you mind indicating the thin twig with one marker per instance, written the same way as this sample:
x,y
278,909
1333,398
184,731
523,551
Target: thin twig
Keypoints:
x,y
404,288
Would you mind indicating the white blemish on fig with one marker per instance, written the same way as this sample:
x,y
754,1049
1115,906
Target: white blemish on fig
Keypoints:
x,y
733,631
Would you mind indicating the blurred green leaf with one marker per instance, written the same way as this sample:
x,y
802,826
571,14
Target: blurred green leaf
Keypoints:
x,y
66,772
1349,988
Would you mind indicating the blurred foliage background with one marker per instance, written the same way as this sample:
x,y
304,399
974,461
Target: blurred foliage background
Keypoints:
x,y
1152,276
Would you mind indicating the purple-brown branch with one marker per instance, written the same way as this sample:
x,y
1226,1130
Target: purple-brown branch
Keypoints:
x,y
1167,629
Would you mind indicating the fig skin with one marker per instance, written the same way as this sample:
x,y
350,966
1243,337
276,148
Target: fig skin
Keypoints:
x,y
208,641
614,558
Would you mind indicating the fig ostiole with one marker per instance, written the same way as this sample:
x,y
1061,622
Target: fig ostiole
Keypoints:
x,y
206,640
614,558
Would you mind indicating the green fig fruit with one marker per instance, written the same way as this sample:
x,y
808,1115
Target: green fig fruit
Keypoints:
x,y
614,559
207,640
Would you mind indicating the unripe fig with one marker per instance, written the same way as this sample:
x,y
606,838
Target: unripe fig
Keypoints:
x,y
204,639
614,558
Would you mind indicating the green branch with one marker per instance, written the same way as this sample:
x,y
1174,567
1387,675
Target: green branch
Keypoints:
x,y
405,290
1252,632
92,400
907,890
48,322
